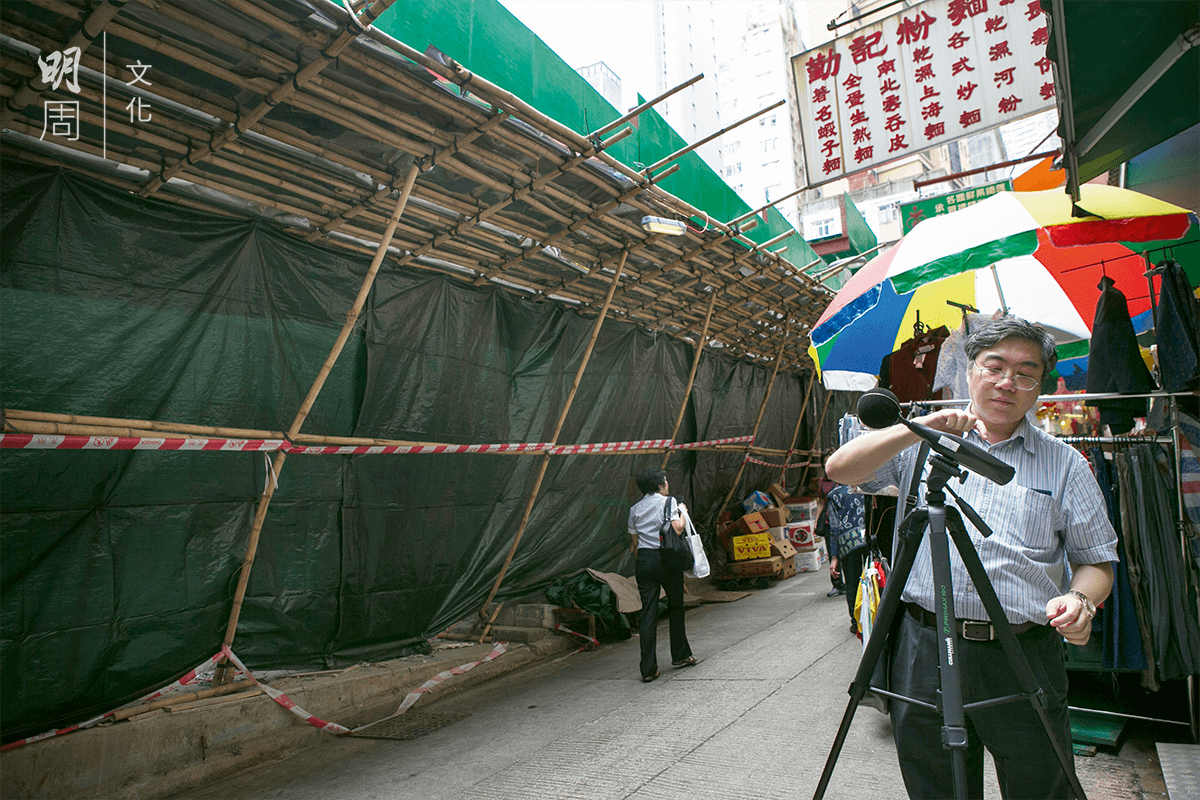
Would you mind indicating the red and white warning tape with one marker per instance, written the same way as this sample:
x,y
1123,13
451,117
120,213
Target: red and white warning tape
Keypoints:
x,y
793,465
37,441
185,680
411,698
273,693
734,440
608,447
283,699
352,450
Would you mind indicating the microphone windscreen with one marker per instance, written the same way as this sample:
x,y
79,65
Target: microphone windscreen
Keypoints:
x,y
878,408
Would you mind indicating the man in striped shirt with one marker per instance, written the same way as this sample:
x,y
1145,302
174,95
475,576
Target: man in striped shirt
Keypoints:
x,y
1050,515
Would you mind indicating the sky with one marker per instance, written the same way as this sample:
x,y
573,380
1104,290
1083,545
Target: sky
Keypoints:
x,y
582,32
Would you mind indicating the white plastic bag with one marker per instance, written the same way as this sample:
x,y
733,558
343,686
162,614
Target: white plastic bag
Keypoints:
x,y
700,569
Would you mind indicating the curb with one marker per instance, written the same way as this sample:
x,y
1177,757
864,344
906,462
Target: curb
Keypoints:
x,y
168,752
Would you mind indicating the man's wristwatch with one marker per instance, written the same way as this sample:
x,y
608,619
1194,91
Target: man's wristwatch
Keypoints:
x,y
1088,605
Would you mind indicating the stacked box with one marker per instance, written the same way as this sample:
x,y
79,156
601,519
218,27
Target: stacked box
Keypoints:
x,y
758,566
811,559
800,534
750,523
750,545
776,517
804,509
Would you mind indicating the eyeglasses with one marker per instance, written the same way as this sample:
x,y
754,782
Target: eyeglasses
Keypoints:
x,y
993,375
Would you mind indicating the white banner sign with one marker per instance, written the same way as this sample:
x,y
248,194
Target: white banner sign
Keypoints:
x,y
931,74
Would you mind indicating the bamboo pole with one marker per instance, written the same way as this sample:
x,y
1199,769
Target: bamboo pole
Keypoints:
x,y
562,418
224,669
816,439
140,426
644,106
687,393
796,433
83,38
761,409
214,691
281,94
685,150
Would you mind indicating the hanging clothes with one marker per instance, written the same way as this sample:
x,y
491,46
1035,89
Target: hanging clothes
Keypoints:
x,y
1121,633
909,372
1114,361
953,362
1147,482
1176,323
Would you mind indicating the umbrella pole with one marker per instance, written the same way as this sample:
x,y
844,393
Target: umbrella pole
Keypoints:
x,y
712,302
999,291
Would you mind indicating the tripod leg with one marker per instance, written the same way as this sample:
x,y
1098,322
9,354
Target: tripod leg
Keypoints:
x,y
954,721
889,605
1012,648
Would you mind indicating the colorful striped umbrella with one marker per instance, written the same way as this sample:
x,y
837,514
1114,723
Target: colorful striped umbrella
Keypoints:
x,y
1021,252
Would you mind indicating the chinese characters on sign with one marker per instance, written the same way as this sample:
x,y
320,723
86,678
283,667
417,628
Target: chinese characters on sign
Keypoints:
x,y
929,75
926,207
61,118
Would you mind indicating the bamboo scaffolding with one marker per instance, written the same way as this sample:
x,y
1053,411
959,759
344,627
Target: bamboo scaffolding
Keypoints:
x,y
687,392
558,426
281,94
680,153
812,380
637,112
816,437
758,421
225,668
91,28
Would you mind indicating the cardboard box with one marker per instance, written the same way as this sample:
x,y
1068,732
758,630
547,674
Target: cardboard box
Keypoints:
x,y
751,545
789,569
811,560
779,494
783,549
777,534
758,566
776,517
800,534
756,501
804,509
753,522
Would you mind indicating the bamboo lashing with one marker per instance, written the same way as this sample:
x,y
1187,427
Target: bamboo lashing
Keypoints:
x,y
681,152
558,426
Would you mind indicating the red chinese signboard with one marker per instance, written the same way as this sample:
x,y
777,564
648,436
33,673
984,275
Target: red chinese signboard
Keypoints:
x,y
931,74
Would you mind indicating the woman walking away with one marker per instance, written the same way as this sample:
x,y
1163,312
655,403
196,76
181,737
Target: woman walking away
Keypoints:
x,y
645,524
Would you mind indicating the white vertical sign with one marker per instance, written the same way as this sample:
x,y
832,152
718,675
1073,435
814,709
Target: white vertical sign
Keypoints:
x,y
933,73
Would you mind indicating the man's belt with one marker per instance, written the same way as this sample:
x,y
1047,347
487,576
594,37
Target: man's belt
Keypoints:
x,y
970,629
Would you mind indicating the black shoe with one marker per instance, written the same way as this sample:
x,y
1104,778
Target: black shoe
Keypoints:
x,y
836,592
648,678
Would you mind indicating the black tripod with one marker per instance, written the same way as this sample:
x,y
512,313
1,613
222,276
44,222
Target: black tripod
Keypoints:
x,y
939,518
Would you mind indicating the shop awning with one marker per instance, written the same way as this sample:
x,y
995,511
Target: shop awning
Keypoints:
x,y
1127,77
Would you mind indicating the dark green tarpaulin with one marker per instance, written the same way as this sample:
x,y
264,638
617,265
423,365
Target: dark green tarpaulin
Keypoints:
x,y
117,568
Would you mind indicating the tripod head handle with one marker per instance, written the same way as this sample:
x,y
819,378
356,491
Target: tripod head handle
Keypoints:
x,y
879,408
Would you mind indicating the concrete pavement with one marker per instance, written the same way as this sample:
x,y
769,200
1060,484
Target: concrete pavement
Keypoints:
x,y
755,719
